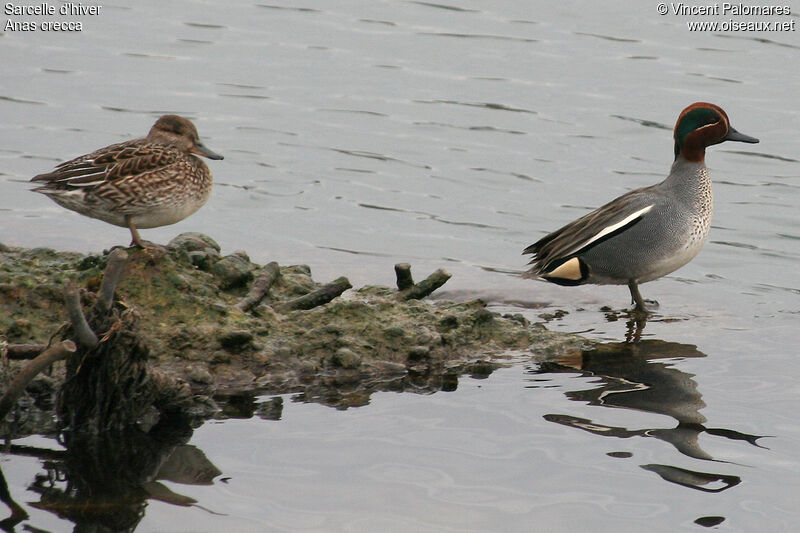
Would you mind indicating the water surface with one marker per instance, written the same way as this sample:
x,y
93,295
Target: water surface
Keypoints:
x,y
362,134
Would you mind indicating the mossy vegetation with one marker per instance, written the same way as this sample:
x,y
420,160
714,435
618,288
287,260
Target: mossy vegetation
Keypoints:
x,y
185,298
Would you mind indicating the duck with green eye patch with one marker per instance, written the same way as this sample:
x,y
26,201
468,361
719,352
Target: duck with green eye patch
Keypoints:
x,y
646,233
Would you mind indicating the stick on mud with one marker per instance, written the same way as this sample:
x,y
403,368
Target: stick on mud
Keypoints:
x,y
403,273
24,351
427,286
111,278
321,296
265,279
83,332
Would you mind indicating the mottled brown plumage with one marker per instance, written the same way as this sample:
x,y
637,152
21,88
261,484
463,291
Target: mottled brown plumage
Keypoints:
x,y
143,183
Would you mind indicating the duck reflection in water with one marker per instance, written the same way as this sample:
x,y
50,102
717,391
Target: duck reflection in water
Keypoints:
x,y
630,376
103,482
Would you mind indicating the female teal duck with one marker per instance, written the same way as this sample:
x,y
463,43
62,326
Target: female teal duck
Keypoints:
x,y
143,183
646,233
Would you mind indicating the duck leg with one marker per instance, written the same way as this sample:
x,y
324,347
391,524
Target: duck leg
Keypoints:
x,y
636,297
135,238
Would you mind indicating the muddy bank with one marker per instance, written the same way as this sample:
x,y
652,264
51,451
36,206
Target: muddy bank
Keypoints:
x,y
198,315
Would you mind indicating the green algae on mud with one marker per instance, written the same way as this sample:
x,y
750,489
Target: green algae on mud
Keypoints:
x,y
185,298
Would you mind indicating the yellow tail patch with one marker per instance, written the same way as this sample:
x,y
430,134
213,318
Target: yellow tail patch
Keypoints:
x,y
570,270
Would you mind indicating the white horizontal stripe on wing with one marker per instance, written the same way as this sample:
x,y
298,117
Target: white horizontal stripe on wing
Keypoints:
x,y
614,227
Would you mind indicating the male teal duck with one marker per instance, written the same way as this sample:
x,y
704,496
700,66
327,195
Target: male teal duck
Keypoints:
x,y
142,183
646,233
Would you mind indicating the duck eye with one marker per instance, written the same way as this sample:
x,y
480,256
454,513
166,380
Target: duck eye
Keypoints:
x,y
703,118
712,118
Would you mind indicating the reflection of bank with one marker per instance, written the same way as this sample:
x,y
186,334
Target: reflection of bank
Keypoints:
x,y
18,514
103,482
630,376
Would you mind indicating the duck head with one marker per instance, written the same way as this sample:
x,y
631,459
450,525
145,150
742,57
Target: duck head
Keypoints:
x,y
701,125
180,132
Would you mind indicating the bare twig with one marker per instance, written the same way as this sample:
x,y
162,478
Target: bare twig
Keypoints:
x,y
426,286
321,296
404,279
24,351
268,275
48,357
83,332
111,277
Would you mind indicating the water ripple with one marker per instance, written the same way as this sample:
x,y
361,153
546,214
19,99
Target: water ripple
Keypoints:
x,y
354,252
149,112
431,216
20,100
488,36
205,26
446,7
241,85
485,105
758,40
608,37
761,154
381,207
701,75
287,8
356,170
471,128
253,96
373,155
736,244
270,130
373,21
768,286
354,111
517,175
644,122
150,56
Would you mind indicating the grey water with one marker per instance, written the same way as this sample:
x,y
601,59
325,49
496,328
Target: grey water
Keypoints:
x,y
451,135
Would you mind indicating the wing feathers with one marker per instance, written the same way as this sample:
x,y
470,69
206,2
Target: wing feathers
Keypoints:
x,y
109,164
552,252
614,227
